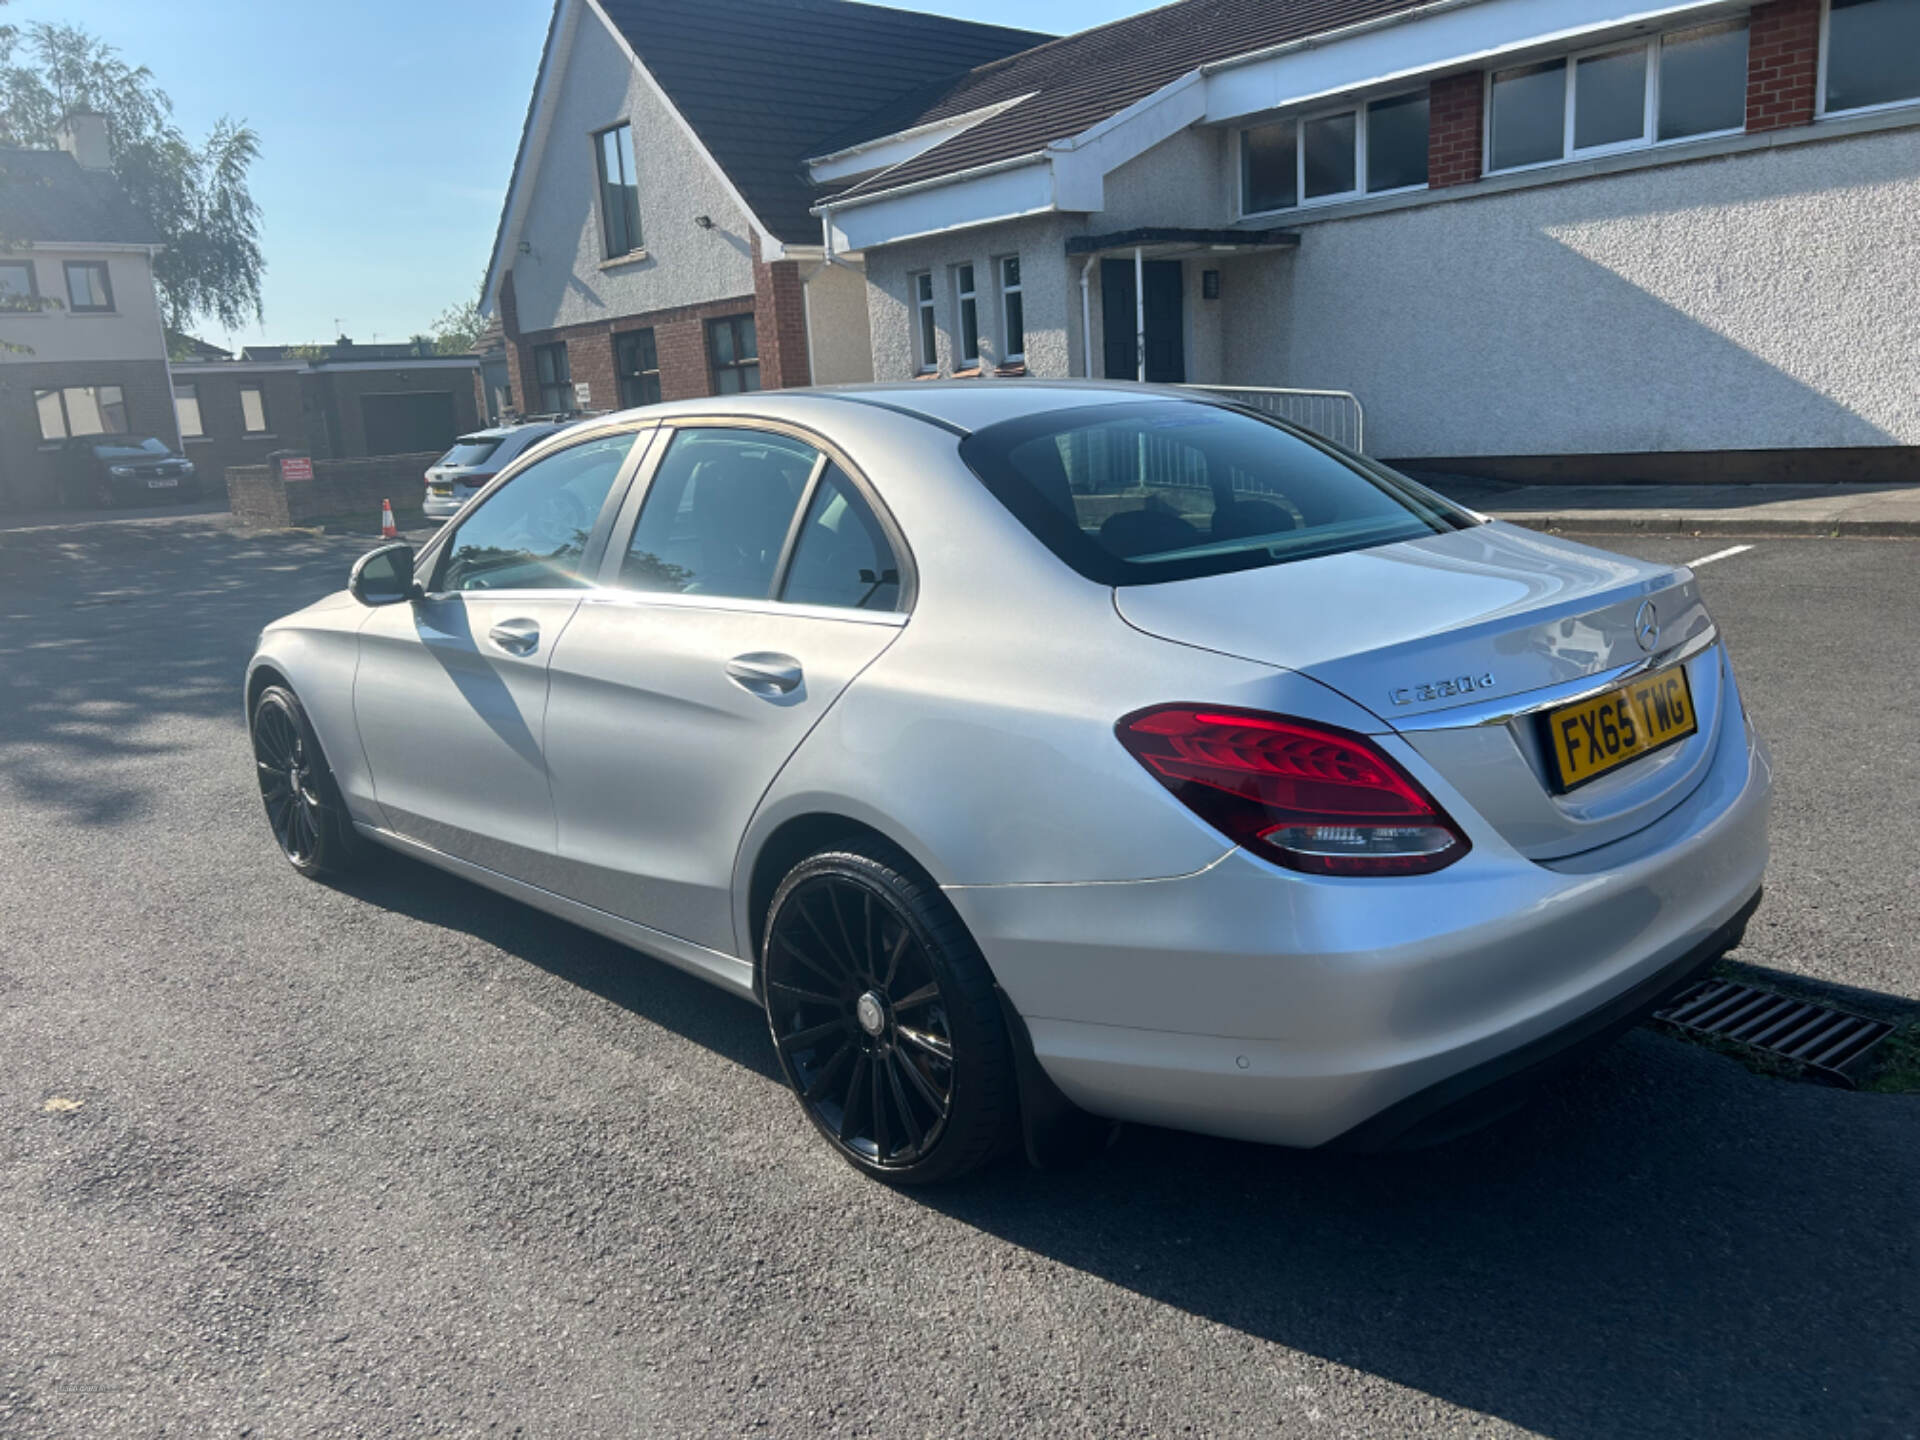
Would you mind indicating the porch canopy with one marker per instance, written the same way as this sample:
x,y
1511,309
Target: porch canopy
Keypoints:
x,y
1158,242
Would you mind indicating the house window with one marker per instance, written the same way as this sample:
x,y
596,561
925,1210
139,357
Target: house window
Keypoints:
x,y
88,288
619,191
969,312
1370,149
927,353
1676,86
81,410
186,409
1013,311
17,288
253,409
734,352
1872,54
1703,80
554,377
636,363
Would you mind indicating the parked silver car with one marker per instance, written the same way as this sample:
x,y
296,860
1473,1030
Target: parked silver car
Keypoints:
x,y
1033,752
460,474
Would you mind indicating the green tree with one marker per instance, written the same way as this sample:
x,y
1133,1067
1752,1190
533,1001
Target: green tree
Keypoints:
x,y
457,329
195,195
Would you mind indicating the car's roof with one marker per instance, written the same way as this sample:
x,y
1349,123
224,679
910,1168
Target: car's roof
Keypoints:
x,y
957,406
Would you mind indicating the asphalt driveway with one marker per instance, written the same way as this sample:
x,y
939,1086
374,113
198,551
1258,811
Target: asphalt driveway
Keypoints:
x,y
403,1157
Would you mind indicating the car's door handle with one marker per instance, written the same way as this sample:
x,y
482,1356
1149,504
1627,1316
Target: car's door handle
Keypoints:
x,y
516,637
765,673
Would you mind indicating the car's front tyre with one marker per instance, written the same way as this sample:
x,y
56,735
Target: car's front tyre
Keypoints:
x,y
885,1018
304,810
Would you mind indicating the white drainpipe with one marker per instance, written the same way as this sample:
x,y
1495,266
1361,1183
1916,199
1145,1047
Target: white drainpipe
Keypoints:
x,y
1086,320
1140,311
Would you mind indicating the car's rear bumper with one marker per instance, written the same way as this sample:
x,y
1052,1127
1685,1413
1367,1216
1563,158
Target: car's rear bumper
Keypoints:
x,y
441,507
1247,1002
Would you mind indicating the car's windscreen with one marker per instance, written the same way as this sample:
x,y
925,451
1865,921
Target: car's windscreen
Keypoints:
x,y
129,449
470,450
1136,493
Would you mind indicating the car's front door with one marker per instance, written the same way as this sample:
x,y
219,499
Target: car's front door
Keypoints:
x,y
756,582
451,692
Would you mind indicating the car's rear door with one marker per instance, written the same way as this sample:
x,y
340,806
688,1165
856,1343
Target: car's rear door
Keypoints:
x,y
752,575
451,692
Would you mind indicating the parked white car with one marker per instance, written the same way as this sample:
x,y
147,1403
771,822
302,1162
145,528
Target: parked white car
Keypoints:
x,y
457,476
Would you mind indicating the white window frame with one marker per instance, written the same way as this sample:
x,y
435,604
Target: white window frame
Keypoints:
x,y
1820,111
1019,287
961,299
192,388
1648,138
1358,109
926,324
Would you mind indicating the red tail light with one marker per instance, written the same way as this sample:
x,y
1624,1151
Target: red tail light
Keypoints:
x,y
1310,797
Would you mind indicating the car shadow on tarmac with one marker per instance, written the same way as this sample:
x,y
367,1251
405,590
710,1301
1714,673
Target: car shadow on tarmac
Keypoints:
x,y
1661,1243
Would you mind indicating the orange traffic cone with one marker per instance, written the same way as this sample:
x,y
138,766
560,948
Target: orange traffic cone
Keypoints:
x,y
387,527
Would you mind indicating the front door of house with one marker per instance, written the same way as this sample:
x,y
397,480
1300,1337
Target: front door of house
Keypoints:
x,y
1166,321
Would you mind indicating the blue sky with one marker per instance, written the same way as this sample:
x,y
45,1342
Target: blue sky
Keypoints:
x,y
387,132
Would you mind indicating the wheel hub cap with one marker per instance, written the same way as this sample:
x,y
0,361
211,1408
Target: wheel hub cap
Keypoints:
x,y
871,1014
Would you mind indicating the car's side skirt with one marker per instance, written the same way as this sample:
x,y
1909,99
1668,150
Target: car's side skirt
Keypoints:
x,y
727,971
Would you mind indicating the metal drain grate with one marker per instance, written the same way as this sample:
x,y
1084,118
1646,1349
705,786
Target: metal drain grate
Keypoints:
x,y
1825,1040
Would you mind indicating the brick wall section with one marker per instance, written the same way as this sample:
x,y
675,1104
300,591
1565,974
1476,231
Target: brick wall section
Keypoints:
x,y
348,490
679,337
29,469
780,322
1783,63
1454,129
226,442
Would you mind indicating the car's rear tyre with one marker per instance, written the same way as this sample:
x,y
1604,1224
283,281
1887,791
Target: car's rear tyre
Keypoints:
x,y
304,809
885,1018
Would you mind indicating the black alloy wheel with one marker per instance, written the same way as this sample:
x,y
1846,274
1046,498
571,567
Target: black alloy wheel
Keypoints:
x,y
296,786
885,1019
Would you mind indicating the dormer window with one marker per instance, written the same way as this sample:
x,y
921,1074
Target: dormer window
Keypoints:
x,y
619,191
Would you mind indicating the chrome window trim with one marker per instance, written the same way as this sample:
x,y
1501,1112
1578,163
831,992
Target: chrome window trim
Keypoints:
x,y
742,604
1504,711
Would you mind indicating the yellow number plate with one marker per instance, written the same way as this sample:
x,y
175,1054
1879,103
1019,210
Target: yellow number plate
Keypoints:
x,y
1590,737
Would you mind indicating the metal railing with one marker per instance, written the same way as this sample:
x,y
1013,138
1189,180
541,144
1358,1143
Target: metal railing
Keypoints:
x,y
1333,414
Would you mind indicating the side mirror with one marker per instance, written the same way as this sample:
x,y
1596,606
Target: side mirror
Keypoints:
x,y
384,576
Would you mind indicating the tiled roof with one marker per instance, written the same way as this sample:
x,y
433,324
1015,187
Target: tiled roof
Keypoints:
x,y
1079,80
46,197
767,84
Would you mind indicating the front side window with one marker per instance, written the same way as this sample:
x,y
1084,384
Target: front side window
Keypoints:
x,y
81,410
619,191
186,409
927,357
969,309
636,364
554,376
253,409
17,288
88,286
1327,156
733,350
1378,147
1132,494
1527,115
717,513
1013,310
531,533
1873,53
1703,80
842,557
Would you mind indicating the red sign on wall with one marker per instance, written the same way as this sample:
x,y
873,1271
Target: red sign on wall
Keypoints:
x,y
296,467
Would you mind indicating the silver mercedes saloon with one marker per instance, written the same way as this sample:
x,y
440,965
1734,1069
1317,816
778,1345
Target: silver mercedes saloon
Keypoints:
x,y
1040,756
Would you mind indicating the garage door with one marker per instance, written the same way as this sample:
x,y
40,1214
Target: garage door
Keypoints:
x,y
403,424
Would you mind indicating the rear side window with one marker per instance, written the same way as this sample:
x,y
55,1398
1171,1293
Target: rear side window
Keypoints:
x,y
717,513
1132,494
470,450
842,557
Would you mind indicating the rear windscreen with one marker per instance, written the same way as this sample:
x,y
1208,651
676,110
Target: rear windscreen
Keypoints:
x,y
470,450
1131,494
